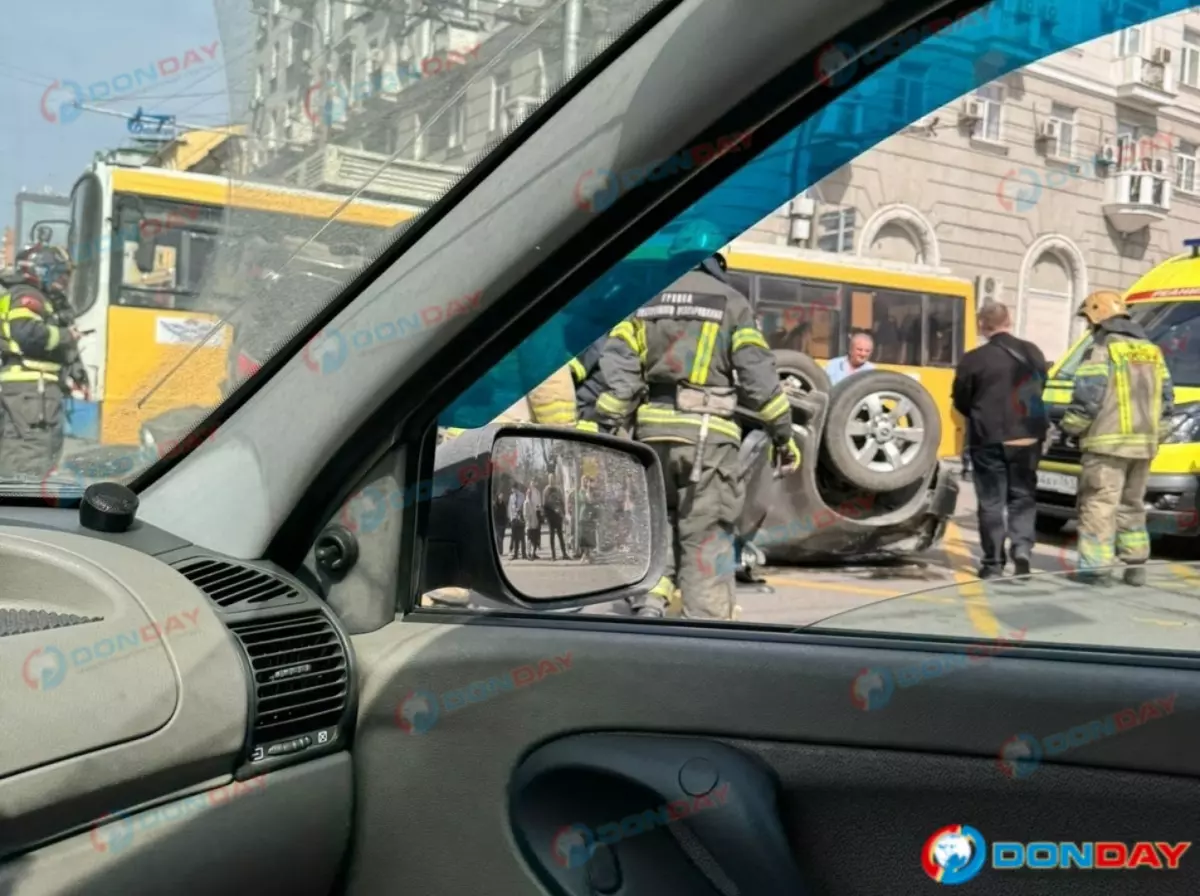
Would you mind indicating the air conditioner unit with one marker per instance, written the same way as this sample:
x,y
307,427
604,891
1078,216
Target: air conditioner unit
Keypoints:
x,y
973,110
1050,130
305,54
1107,154
988,289
1161,55
802,207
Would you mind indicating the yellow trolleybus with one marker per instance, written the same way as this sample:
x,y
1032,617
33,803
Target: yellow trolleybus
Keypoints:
x,y
155,270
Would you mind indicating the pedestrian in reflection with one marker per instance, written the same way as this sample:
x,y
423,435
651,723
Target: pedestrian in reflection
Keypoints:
x,y
555,506
500,514
516,514
589,519
533,519
998,388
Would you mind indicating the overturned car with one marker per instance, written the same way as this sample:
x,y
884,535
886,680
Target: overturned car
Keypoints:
x,y
870,479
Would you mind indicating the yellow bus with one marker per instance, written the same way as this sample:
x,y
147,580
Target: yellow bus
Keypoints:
x,y
921,318
156,267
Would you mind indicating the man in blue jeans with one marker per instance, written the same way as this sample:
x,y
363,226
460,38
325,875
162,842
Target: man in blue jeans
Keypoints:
x,y
998,389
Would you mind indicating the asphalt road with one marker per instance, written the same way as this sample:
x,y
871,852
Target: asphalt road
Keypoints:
x,y
1164,615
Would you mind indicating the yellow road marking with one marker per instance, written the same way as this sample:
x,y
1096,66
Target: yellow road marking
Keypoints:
x,y
975,601
1186,572
1165,622
831,586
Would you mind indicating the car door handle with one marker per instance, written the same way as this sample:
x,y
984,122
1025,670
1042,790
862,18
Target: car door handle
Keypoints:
x,y
646,814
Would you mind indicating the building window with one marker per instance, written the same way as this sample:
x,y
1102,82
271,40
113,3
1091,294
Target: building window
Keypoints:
x,y
500,118
289,50
1185,168
274,61
1189,59
1063,145
276,7
258,83
1129,41
837,231
457,137
908,96
991,98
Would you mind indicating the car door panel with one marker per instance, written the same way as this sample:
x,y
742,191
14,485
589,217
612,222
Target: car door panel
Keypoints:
x,y
860,791
285,832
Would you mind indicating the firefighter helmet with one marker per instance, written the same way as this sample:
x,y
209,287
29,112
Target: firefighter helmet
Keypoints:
x,y
47,268
1102,305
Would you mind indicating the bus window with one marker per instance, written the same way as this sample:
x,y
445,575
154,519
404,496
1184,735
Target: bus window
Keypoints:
x,y
83,242
801,315
897,324
741,282
945,325
202,253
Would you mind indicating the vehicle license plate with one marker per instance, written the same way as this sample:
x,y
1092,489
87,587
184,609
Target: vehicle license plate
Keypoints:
x,y
1057,482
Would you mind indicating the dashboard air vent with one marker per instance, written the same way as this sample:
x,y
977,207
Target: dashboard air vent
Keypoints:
x,y
301,676
232,585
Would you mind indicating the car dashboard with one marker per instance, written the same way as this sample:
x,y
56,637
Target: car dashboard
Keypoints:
x,y
171,717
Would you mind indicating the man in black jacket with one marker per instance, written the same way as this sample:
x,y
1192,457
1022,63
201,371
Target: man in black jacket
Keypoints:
x,y
998,389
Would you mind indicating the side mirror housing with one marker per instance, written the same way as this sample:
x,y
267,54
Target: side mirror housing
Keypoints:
x,y
602,498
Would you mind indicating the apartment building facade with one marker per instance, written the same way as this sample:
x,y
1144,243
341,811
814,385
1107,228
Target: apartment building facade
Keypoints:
x,y
340,93
1075,173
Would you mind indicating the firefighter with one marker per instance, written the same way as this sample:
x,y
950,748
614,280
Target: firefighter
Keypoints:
x,y
589,383
33,352
686,412
1121,395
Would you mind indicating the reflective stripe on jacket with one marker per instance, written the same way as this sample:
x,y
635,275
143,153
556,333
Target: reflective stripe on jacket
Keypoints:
x,y
28,345
1121,395
701,332
551,403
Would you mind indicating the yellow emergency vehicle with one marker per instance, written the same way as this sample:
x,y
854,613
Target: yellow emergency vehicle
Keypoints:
x,y
1166,302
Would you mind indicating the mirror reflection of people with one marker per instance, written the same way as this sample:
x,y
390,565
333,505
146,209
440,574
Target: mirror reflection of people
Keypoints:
x,y
555,507
857,359
533,519
516,516
500,513
589,520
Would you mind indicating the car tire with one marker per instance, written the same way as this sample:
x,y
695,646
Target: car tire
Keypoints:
x,y
1049,525
800,371
857,407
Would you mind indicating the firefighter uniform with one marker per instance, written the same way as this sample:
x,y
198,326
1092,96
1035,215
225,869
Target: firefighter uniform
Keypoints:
x,y
33,352
686,412
1121,395
589,383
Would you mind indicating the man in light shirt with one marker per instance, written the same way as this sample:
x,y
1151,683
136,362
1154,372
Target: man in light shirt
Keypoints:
x,y
861,346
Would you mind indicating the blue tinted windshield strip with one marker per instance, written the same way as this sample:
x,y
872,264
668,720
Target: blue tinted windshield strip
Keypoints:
x,y
971,52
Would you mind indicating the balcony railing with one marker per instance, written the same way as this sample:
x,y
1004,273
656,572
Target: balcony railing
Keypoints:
x,y
1144,82
1136,199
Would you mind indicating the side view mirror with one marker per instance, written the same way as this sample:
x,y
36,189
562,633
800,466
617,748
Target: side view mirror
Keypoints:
x,y
600,498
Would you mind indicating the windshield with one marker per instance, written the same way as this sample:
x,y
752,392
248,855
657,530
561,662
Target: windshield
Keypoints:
x,y
1172,326
239,162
